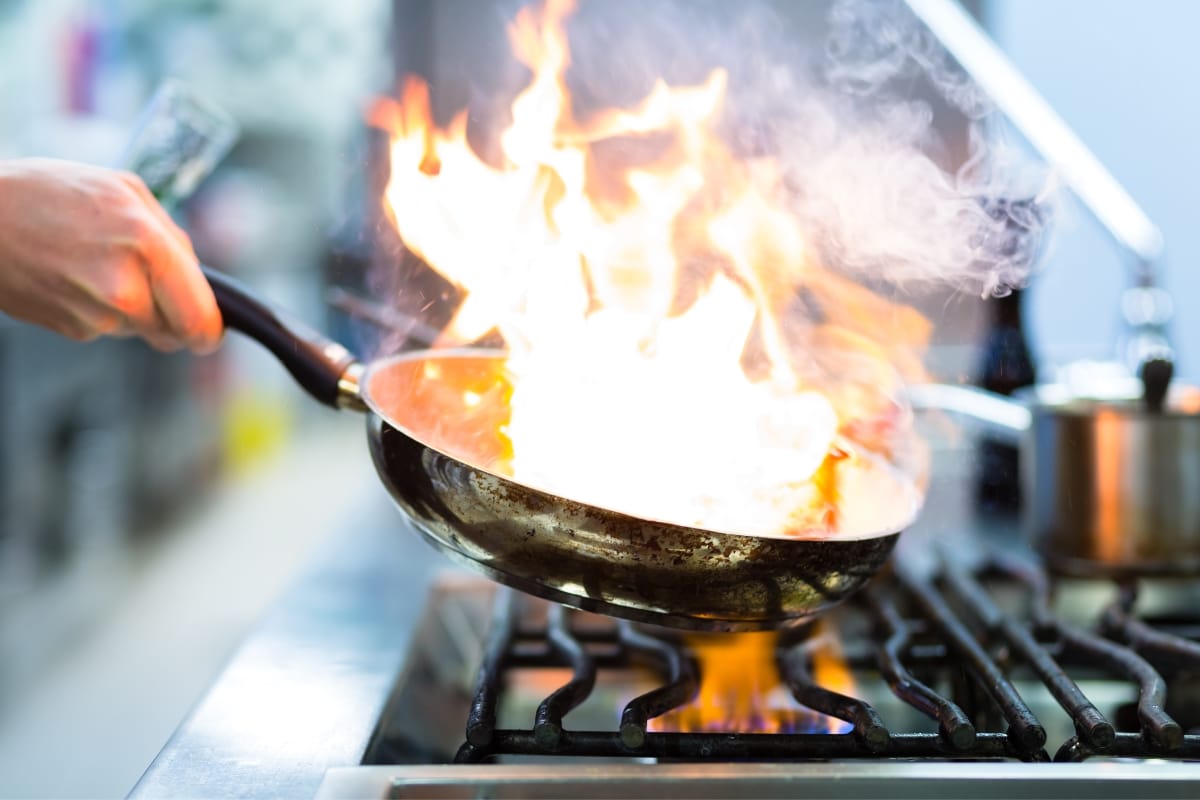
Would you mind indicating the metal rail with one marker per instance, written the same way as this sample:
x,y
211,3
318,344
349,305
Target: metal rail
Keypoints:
x,y
741,747
1027,733
482,719
1095,730
547,724
1085,648
1037,121
1159,647
868,727
680,689
953,724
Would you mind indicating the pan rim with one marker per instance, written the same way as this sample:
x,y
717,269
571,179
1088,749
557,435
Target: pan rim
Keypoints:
x,y
380,365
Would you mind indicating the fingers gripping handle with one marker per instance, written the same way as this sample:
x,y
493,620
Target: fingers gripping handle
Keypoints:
x,y
325,369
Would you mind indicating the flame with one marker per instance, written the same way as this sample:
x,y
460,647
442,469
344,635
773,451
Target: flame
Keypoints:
x,y
643,276
829,667
741,690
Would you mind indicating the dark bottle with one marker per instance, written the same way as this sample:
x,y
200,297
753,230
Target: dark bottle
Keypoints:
x,y
1007,365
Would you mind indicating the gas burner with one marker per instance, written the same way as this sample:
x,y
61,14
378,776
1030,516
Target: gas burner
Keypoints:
x,y
966,664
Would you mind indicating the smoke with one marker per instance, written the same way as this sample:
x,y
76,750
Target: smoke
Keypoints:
x,y
874,43
671,281
898,164
882,208
872,185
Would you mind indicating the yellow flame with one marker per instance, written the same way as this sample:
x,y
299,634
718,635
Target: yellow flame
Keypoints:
x,y
640,273
741,690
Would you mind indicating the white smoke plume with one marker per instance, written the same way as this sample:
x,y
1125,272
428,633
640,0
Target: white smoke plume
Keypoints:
x,y
885,204
708,324
858,112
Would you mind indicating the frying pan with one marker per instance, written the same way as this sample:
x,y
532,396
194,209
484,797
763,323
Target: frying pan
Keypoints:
x,y
439,456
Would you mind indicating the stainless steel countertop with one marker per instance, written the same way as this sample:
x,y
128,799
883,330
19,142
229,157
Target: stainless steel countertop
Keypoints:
x,y
870,779
304,692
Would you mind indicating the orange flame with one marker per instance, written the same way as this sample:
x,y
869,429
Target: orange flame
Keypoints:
x,y
741,690
641,276
829,668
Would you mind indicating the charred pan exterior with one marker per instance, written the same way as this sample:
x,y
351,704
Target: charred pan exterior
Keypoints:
x,y
611,563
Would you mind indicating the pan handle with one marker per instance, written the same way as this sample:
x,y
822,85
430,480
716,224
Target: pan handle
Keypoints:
x,y
326,370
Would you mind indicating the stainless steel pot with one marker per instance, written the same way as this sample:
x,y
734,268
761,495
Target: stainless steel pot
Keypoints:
x,y
1111,486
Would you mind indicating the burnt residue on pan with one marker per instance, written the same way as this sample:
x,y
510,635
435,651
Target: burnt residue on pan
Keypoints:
x,y
604,561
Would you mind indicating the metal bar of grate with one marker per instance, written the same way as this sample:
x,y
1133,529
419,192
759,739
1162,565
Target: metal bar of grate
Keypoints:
x,y
953,724
481,719
1082,647
680,688
1093,727
1162,648
868,727
547,726
1152,689
1028,734
1034,579
1130,745
746,747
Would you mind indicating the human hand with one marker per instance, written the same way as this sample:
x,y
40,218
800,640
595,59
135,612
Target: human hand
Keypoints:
x,y
87,251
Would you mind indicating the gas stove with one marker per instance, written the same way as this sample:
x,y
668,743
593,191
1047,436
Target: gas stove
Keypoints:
x,y
383,675
961,679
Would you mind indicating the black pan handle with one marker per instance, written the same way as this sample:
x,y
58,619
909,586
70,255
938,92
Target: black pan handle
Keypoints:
x,y
325,369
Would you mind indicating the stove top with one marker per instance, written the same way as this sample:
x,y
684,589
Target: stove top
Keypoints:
x,y
973,673
961,676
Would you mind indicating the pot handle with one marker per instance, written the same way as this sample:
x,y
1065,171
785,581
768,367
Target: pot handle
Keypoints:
x,y
998,415
325,369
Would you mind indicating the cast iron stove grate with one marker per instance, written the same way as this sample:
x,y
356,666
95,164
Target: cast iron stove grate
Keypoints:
x,y
953,630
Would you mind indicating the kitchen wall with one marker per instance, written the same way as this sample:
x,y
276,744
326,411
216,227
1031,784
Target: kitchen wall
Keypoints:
x,y
1123,75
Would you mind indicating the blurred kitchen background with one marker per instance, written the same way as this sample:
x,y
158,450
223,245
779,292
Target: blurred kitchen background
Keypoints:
x,y
151,506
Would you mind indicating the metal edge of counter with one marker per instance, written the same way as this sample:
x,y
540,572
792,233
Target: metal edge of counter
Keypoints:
x,y
305,689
